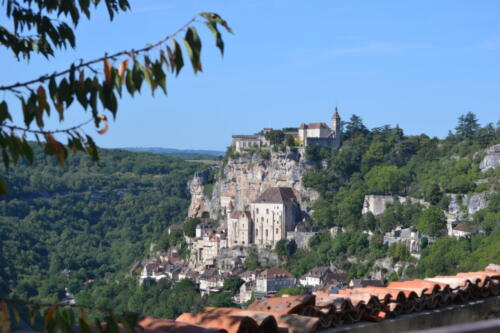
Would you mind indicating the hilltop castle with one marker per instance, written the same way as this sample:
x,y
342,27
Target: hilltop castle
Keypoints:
x,y
319,134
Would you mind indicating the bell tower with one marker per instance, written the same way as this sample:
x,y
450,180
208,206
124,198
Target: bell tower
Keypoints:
x,y
336,122
336,128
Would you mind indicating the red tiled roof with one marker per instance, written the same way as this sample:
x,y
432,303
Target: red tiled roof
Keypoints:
x,y
307,313
277,195
314,126
273,273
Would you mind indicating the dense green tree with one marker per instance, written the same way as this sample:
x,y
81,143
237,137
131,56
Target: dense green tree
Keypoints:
x,y
432,222
386,180
233,284
467,126
354,126
275,137
189,226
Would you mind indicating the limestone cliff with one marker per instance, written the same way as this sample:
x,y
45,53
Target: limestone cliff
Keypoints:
x,y
242,179
376,204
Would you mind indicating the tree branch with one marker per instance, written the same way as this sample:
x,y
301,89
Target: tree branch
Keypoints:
x,y
27,130
88,64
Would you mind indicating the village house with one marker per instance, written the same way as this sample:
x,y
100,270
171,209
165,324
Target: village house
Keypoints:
x,y
250,276
246,292
315,277
154,270
461,230
206,249
271,280
410,237
212,281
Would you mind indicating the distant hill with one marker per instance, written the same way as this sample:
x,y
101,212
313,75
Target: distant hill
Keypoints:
x,y
185,154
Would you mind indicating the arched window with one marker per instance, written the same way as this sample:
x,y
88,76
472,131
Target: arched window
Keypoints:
x,y
256,232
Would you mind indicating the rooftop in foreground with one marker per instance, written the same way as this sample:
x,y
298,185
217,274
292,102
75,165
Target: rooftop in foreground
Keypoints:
x,y
400,306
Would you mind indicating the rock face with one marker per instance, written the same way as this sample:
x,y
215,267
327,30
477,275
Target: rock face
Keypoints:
x,y
492,158
470,204
376,204
243,179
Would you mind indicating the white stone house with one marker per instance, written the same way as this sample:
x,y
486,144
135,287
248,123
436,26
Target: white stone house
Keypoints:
x,y
212,281
274,213
321,134
315,277
461,230
273,279
246,142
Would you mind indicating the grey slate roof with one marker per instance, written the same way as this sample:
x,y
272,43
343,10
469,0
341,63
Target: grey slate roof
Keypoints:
x,y
277,195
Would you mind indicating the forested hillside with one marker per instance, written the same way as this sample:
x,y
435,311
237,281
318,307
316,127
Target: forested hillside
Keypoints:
x,y
94,220
385,161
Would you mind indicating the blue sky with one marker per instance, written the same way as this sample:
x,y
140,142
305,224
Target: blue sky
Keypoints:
x,y
419,64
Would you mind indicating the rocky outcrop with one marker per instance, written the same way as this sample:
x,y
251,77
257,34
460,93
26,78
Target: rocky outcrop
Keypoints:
x,y
492,158
468,205
376,204
243,179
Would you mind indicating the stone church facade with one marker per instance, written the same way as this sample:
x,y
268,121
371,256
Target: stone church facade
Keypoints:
x,y
267,221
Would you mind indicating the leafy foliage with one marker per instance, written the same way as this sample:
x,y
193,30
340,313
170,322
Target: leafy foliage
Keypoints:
x,y
123,71
94,220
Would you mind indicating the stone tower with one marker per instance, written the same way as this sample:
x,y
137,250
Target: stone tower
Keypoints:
x,y
336,127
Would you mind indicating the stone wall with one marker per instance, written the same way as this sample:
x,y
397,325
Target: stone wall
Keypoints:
x,y
245,178
376,204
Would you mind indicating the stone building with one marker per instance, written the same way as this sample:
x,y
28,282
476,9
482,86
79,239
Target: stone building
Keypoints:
x,y
321,134
273,279
240,228
274,213
269,218
245,142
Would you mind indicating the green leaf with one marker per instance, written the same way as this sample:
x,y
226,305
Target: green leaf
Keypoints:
x,y
213,17
178,61
159,76
4,112
137,75
193,47
129,81
217,35
92,149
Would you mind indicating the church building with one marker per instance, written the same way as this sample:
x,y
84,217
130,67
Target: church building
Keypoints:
x,y
320,134
274,213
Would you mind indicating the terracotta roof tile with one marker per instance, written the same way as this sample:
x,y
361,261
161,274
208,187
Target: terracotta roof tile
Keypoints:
x,y
227,323
172,326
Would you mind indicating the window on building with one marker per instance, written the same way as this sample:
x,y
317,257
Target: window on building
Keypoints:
x,y
256,232
277,230
267,233
257,211
267,210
